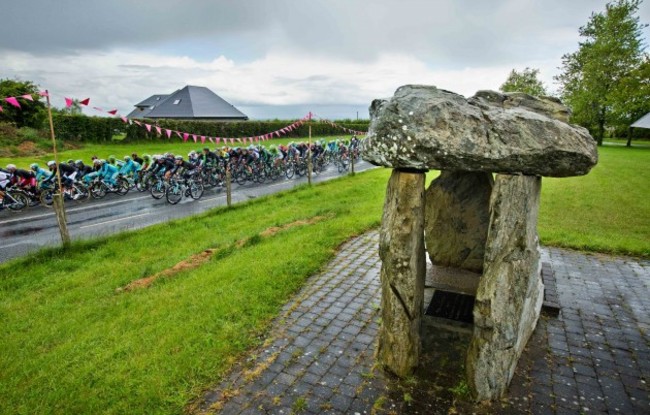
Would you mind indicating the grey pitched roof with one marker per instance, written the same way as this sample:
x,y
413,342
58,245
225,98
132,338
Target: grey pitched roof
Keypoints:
x,y
643,122
152,100
194,102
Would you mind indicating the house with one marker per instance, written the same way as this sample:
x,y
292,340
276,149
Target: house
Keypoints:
x,y
189,103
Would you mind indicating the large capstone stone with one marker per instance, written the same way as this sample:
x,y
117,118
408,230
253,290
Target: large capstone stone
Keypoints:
x,y
457,217
401,248
510,292
422,127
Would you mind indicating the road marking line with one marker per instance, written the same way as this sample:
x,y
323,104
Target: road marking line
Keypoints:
x,y
211,198
114,220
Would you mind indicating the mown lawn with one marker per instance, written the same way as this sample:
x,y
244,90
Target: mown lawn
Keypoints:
x,y
72,344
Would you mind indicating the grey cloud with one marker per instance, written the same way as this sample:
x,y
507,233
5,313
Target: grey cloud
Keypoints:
x,y
443,32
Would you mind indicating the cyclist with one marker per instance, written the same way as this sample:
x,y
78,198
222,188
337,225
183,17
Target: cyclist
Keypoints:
x,y
108,173
139,160
129,168
22,178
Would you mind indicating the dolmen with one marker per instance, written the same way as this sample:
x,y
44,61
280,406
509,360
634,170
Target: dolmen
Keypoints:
x,y
479,216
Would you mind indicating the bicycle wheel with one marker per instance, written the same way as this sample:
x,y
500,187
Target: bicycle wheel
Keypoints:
x,y
196,190
342,166
47,197
143,183
16,201
240,177
79,193
121,186
158,189
98,190
289,170
174,193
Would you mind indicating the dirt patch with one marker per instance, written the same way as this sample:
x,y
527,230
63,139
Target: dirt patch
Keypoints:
x,y
201,258
192,262
301,222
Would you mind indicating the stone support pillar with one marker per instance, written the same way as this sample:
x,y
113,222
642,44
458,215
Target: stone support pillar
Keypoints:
x,y
401,248
510,292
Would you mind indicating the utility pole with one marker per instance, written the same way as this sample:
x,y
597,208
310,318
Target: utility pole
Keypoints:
x,y
57,197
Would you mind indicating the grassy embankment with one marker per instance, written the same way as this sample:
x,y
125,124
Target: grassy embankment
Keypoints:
x,y
72,344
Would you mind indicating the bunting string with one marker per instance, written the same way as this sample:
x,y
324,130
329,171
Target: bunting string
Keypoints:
x,y
182,134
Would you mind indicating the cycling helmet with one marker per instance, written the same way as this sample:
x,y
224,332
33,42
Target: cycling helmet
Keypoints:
x,y
11,167
111,159
127,158
79,162
146,157
179,157
51,163
192,154
97,161
34,166
70,161
206,149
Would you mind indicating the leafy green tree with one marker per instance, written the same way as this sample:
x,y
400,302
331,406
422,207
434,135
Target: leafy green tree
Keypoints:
x,y
31,113
634,94
524,81
74,109
597,78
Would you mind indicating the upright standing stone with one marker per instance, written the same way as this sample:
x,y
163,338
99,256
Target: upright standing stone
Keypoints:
x,y
510,293
401,248
457,217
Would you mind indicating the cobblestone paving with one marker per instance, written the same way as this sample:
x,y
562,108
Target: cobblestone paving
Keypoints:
x,y
593,358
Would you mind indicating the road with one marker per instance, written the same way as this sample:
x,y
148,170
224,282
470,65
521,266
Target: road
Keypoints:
x,y
36,227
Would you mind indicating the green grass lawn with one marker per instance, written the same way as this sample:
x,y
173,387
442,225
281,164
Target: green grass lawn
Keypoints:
x,y
119,149
71,344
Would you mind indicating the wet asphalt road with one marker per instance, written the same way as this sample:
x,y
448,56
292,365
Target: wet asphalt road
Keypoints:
x,y
36,227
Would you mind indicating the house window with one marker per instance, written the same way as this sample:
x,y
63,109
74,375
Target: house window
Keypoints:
x,y
177,102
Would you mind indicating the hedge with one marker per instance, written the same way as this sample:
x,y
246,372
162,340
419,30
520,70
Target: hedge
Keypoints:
x,y
86,129
81,128
242,128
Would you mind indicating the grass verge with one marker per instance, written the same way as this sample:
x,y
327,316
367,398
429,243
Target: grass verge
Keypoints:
x,y
71,344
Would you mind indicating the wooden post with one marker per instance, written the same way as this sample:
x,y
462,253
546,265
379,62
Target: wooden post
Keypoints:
x,y
228,187
58,202
309,165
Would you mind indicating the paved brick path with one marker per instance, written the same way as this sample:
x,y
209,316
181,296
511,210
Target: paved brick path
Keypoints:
x,y
593,358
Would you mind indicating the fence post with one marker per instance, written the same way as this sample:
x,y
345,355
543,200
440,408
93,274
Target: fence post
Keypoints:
x,y
309,165
228,187
57,202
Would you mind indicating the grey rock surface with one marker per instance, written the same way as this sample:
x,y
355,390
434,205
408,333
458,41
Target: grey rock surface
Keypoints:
x,y
457,217
510,292
401,249
423,127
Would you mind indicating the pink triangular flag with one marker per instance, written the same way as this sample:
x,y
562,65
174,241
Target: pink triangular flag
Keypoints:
x,y
178,133
159,130
98,109
44,94
148,127
85,101
137,123
112,112
211,140
169,133
232,141
185,137
28,97
202,139
194,137
1,109
13,101
126,120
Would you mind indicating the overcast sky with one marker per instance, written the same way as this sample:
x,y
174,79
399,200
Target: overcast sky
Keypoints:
x,y
279,58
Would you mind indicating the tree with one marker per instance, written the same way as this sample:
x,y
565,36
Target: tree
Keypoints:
x,y
30,113
634,92
595,79
524,81
74,109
